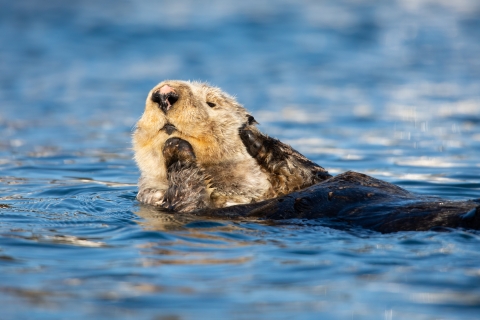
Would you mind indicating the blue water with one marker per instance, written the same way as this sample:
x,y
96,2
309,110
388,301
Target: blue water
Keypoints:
x,y
387,88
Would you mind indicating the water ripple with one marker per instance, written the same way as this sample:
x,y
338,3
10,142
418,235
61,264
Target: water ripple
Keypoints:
x,y
390,89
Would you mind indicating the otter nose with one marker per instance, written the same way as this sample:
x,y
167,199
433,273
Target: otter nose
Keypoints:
x,y
165,97
166,89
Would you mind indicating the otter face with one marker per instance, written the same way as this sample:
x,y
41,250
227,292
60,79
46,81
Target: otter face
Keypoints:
x,y
206,117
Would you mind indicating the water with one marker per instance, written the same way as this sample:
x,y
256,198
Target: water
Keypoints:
x,y
388,88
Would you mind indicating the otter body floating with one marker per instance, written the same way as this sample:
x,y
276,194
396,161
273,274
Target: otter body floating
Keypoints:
x,y
200,152
355,199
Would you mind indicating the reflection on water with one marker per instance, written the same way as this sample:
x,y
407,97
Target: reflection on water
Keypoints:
x,y
391,89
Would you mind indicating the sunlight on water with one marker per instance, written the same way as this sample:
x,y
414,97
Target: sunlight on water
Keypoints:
x,y
390,89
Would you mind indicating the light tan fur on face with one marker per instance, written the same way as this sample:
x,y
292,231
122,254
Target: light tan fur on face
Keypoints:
x,y
213,134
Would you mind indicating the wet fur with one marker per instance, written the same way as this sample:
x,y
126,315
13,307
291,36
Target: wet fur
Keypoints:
x,y
288,170
196,161
234,176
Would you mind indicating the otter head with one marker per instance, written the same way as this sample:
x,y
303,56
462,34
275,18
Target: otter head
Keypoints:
x,y
206,117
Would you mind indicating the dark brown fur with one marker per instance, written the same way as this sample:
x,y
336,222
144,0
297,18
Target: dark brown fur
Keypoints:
x,y
288,170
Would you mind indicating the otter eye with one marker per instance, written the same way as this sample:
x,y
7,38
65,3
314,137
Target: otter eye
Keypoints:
x,y
211,104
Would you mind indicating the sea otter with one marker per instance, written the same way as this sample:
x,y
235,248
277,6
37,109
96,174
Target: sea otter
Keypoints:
x,y
192,156
199,151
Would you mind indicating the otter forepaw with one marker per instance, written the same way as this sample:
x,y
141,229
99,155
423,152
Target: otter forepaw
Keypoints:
x,y
150,196
252,142
178,150
187,188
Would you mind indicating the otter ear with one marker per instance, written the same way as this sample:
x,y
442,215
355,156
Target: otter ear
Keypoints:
x,y
251,120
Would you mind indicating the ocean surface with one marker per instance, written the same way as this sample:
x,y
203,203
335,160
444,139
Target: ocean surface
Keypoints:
x,y
387,88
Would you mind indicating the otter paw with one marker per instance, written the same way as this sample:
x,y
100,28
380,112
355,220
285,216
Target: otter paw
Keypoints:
x,y
150,196
178,150
252,142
